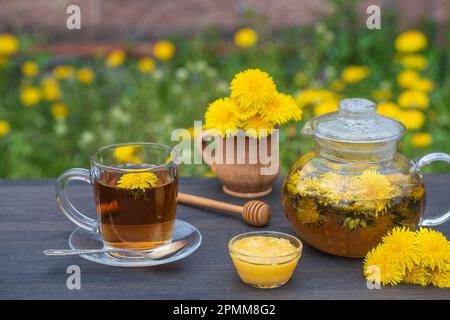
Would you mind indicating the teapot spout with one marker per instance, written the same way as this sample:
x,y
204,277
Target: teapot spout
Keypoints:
x,y
309,128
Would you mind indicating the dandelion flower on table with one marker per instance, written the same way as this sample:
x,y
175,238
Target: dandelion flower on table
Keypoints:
x,y
354,74
413,99
412,119
115,58
30,96
253,88
434,249
8,44
85,75
280,109
137,181
245,37
164,50
221,116
29,69
146,65
256,127
63,72
421,139
411,41
5,128
401,245
380,269
418,275
59,111
50,89
440,278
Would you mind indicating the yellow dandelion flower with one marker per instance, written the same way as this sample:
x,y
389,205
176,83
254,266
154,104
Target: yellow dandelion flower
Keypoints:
x,y
256,127
59,111
292,182
414,61
146,65
5,128
137,181
407,78
412,119
338,85
307,212
418,275
8,44
440,278
411,41
115,58
63,72
336,187
50,89
245,37
354,74
326,106
373,191
382,94
280,109
380,269
253,88
308,186
164,50
29,69
313,96
413,99
425,85
221,116
30,96
421,139
127,154
400,244
85,75
433,248
388,109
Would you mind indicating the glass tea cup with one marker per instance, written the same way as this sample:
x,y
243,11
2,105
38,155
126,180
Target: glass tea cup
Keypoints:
x,y
135,188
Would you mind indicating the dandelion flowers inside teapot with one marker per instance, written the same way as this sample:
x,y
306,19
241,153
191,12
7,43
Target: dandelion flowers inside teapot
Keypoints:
x,y
345,195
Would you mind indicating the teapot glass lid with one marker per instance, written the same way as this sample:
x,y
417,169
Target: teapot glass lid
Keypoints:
x,y
357,122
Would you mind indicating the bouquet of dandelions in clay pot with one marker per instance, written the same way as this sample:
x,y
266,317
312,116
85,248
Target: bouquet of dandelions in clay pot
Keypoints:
x,y
254,110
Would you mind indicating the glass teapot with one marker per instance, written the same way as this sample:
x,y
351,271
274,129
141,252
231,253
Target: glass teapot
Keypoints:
x,y
345,195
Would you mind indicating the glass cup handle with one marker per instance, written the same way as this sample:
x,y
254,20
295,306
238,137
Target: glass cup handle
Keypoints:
x,y
425,160
64,203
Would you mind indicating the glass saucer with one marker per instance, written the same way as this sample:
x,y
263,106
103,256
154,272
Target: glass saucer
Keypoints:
x,y
83,239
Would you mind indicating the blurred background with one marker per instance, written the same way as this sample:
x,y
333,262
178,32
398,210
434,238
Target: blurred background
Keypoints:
x,y
139,69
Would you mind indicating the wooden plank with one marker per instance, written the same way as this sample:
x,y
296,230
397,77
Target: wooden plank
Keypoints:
x,y
30,222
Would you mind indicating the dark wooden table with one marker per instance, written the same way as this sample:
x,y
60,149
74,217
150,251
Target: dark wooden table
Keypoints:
x,y
30,222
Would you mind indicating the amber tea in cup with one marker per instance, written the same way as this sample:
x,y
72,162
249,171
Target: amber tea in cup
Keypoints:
x,y
135,189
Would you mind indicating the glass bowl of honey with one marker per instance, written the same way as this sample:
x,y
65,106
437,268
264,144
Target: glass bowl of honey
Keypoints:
x,y
265,259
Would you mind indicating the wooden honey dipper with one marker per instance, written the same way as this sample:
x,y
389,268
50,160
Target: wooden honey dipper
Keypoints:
x,y
255,213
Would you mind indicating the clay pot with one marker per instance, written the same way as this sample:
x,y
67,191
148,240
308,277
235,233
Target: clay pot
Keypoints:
x,y
242,171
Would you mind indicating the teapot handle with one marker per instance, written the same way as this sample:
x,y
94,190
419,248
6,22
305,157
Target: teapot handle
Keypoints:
x,y
425,160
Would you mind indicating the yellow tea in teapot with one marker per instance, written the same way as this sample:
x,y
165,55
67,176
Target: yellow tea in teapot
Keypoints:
x,y
347,214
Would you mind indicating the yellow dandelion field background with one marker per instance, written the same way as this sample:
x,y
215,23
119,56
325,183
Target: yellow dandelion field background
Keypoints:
x,y
62,97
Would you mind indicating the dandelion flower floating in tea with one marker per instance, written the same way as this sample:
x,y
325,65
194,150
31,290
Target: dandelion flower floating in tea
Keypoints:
x,y
137,181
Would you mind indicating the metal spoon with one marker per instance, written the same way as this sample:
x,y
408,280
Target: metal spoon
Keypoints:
x,y
152,254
